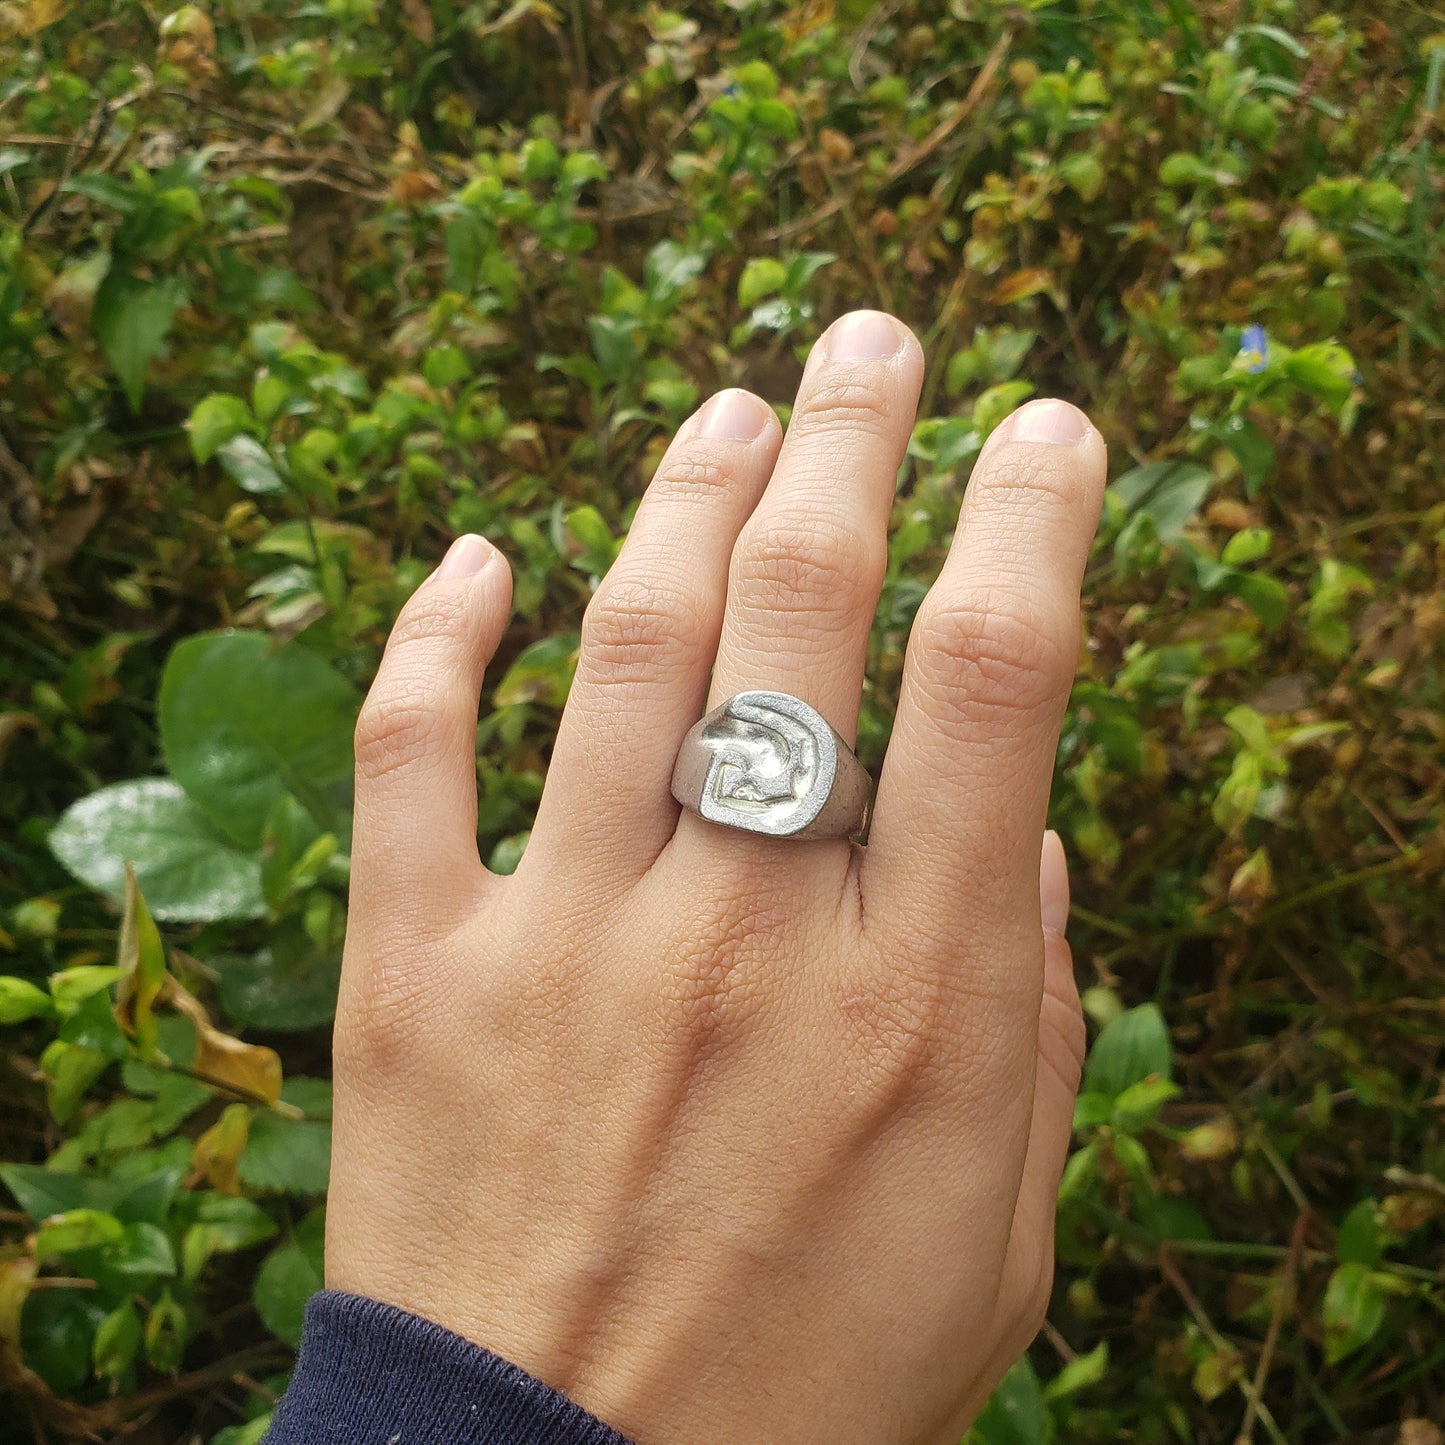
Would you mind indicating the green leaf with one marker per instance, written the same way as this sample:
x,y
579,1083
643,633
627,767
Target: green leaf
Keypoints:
x,y
1266,597
542,673
1168,492
445,366
1092,1110
756,78
1140,1103
289,832
287,987
21,1000
1016,1413
670,268
313,1097
1079,1374
69,1070
1080,1170
70,988
107,189
214,421
1250,728
144,1253
235,1223
803,267
1253,451
224,1224
1249,544
1216,1372
289,1156
289,1276
247,462
13,159
42,1192
57,1330
507,853
1235,801
762,276
1084,172
587,527
1353,1311
1130,1049
117,1341
614,344
130,319
165,1334
1325,370
1169,1216
253,1432
995,403
75,1230
1358,1241
243,722
186,867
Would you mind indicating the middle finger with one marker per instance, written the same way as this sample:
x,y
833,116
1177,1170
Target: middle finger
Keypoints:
x,y
808,566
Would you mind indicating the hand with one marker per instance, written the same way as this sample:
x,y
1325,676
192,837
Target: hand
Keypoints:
x,y
730,1137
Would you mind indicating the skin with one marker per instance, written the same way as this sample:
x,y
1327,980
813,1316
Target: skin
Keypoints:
x,y
726,1136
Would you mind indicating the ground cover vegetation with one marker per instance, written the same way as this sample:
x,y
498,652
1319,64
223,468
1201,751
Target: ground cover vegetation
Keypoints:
x,y
290,295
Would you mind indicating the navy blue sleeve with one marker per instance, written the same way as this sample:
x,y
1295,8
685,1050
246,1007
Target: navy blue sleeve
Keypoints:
x,y
372,1374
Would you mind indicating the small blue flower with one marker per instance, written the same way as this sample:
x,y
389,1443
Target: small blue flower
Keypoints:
x,y
1253,349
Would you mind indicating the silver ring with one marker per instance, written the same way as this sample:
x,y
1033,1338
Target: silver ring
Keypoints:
x,y
766,762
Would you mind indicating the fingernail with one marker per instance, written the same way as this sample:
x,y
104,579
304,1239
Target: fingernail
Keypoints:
x,y
465,558
1045,421
863,336
1054,884
732,416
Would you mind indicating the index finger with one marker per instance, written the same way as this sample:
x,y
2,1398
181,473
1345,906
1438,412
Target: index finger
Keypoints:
x,y
965,786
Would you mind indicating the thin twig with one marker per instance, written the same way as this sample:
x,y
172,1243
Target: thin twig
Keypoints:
x,y
1170,1271
1345,881
915,155
1283,1302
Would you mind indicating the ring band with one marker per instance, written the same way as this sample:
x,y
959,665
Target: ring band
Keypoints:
x,y
768,763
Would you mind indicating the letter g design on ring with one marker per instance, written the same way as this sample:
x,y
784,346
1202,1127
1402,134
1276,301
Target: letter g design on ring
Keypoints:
x,y
766,762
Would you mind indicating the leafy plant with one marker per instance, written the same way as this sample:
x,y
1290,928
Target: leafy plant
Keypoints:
x,y
289,296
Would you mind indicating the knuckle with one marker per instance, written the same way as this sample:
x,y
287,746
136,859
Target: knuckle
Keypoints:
x,y
1029,476
897,1022
433,613
988,657
808,565
383,1015
635,631
716,983
694,473
852,402
397,724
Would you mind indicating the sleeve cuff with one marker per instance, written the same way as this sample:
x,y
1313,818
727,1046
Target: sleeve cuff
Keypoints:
x,y
372,1374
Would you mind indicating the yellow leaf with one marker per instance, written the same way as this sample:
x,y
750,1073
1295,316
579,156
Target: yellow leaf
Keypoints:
x,y
416,15
16,1276
251,1069
11,725
142,962
517,13
217,1152
41,13
1024,283
811,15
